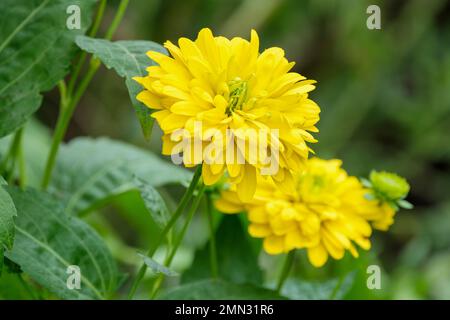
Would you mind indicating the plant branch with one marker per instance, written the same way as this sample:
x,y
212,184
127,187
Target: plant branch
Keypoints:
x,y
179,239
69,104
212,237
180,209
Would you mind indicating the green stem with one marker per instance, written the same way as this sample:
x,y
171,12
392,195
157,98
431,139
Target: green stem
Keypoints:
x,y
285,271
27,287
117,19
68,104
180,209
337,287
178,241
81,60
212,237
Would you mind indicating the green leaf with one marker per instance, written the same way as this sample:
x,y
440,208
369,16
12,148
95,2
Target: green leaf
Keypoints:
x,y
237,262
153,202
7,214
404,204
92,171
48,241
300,289
156,267
219,290
36,141
128,59
36,49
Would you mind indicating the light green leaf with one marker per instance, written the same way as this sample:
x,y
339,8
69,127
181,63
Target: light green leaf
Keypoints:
x,y
219,290
92,171
156,267
36,49
404,204
237,266
128,58
7,214
48,241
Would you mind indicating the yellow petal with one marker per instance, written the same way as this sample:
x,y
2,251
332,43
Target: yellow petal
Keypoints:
x,y
247,187
317,256
209,178
259,230
274,245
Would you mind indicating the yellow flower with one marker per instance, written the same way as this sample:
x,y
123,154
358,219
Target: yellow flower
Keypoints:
x,y
327,215
228,85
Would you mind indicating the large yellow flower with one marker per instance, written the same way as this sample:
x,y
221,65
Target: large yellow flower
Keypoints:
x,y
327,214
229,85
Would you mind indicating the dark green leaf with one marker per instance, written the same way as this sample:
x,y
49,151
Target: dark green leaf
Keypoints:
x,y
219,290
48,241
91,171
299,289
153,202
7,214
156,267
36,49
128,59
238,266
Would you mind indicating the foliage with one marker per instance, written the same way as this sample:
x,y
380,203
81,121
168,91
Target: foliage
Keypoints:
x,y
384,96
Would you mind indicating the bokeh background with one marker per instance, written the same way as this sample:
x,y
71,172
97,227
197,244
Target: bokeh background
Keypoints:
x,y
385,100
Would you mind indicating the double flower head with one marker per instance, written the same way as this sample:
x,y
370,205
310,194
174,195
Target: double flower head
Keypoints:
x,y
245,116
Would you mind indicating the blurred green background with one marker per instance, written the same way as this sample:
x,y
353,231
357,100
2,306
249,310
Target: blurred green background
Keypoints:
x,y
385,100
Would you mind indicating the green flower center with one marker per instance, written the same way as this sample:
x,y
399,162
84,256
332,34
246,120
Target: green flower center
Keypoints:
x,y
238,95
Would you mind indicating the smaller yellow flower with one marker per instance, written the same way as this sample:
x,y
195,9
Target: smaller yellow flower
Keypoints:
x,y
327,215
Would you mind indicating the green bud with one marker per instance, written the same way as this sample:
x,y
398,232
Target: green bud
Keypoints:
x,y
389,186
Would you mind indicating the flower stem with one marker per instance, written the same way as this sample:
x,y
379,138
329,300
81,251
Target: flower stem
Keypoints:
x,y
117,19
337,287
178,241
285,271
68,104
212,237
180,209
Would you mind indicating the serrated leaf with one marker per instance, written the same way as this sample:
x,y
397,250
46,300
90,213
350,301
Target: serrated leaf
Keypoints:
x,y
91,171
128,58
7,214
36,49
48,241
219,290
234,265
156,267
